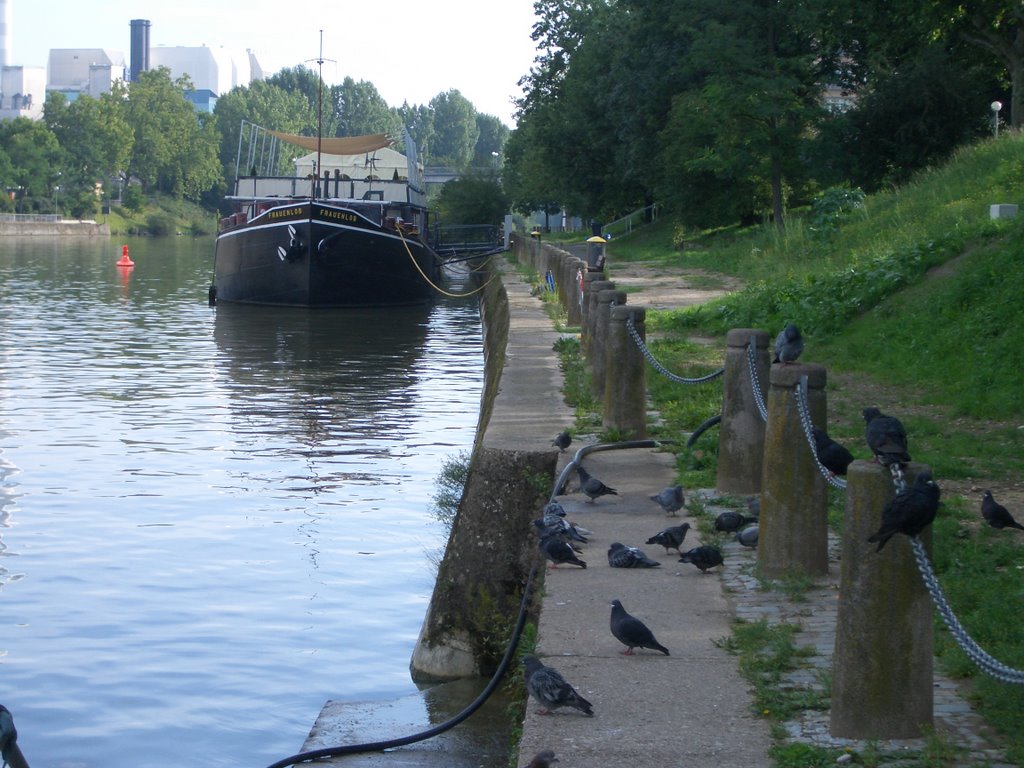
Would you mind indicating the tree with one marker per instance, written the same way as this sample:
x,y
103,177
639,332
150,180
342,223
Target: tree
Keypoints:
x,y
491,137
359,109
472,199
175,150
35,161
455,129
95,136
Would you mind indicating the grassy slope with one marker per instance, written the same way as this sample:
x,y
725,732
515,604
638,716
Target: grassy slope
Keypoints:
x,y
913,303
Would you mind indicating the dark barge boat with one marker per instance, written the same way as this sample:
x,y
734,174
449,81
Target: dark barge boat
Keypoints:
x,y
350,232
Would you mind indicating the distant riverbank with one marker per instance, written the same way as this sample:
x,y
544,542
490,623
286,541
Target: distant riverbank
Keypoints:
x,y
25,225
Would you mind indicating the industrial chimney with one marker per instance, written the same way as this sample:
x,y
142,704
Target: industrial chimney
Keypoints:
x,y
140,47
5,33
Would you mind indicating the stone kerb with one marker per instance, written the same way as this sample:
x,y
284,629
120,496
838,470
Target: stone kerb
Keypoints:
x,y
882,676
793,535
741,432
598,349
625,390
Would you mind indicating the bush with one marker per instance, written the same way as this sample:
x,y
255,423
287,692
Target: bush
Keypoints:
x,y
160,224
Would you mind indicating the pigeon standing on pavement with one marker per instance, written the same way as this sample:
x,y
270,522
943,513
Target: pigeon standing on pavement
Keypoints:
x,y
789,344
621,556
548,687
632,632
670,499
671,538
558,551
593,487
996,514
543,759
730,521
704,557
910,511
748,536
562,440
886,437
832,455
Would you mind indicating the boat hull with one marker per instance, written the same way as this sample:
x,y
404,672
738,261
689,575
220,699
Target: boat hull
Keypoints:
x,y
314,254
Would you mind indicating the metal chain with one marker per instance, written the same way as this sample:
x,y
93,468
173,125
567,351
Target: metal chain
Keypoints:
x,y
755,385
805,421
631,327
988,664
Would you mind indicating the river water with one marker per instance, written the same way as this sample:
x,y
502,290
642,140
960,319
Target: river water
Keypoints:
x,y
212,520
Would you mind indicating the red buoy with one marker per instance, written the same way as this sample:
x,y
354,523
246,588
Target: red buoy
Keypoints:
x,y
125,260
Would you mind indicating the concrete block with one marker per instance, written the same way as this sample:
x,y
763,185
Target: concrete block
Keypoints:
x,y
1002,211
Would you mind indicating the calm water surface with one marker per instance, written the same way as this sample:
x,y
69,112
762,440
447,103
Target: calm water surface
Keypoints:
x,y
211,520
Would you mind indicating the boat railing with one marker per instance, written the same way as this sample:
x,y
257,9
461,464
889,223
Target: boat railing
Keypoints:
x,y
338,187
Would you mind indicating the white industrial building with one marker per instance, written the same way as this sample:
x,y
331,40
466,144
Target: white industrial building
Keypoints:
x,y
22,92
88,71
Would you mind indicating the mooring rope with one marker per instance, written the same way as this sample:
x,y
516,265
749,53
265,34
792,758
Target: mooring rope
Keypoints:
x,y
631,327
431,283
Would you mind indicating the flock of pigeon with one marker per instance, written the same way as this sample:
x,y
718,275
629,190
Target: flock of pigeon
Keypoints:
x,y
914,507
560,541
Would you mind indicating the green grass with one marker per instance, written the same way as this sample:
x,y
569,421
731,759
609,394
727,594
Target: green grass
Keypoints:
x,y
913,303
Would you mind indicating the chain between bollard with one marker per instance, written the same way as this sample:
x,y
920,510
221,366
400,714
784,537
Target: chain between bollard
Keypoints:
x,y
755,385
980,657
649,356
805,422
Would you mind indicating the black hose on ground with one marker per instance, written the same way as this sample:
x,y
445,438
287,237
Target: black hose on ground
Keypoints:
x,y
379,746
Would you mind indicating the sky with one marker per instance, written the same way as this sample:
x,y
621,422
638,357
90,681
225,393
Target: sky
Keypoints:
x,y
411,51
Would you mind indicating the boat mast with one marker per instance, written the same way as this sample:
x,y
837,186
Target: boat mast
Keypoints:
x,y
320,107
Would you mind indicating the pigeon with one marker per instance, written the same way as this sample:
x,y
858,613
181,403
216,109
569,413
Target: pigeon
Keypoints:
x,y
833,456
788,345
885,437
671,538
593,487
558,551
670,499
554,508
543,759
547,686
703,557
754,506
559,528
562,440
730,522
748,536
910,511
632,632
996,514
621,556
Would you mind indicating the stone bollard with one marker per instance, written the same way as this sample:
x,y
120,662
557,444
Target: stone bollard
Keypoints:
x,y
566,279
793,534
625,388
597,353
574,305
741,432
882,665
590,310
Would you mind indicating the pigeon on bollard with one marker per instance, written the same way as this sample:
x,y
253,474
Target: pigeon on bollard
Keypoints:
x,y
996,514
558,551
591,486
632,632
789,345
671,538
704,557
562,440
910,511
833,456
553,691
886,437
621,556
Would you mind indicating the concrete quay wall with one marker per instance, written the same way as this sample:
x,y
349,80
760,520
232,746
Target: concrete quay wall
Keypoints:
x,y
70,228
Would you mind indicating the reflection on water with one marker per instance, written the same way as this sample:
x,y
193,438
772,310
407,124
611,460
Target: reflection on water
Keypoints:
x,y
211,520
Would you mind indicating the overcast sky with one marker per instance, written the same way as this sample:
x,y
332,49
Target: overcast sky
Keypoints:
x,y
410,51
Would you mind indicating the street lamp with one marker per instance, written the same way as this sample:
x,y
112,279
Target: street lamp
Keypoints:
x,y
56,191
995,106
